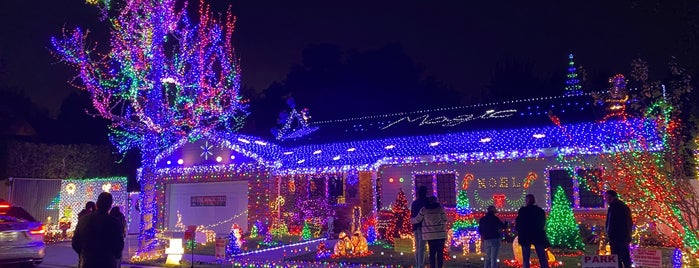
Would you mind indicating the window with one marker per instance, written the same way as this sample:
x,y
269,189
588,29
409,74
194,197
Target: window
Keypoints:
x,y
589,199
578,193
335,189
562,178
445,183
424,180
446,189
316,188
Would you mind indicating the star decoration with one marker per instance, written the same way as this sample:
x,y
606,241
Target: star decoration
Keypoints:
x,y
206,150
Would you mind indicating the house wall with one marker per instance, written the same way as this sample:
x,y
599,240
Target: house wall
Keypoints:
x,y
485,181
250,193
186,198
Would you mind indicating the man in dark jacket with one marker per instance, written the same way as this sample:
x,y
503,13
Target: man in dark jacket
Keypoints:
x,y
618,227
415,207
97,238
530,225
489,228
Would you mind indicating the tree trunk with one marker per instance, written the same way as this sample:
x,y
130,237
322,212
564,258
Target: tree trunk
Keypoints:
x,y
148,202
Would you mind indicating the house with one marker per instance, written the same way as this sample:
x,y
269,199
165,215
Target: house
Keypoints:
x,y
496,152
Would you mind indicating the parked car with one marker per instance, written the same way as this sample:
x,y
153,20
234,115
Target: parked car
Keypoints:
x,y
21,237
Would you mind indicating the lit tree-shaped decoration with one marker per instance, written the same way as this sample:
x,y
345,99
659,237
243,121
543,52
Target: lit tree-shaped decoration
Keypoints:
x,y
164,79
463,207
233,248
371,235
401,215
561,227
465,227
573,87
306,232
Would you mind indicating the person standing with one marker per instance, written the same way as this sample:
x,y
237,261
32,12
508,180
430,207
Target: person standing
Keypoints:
x,y
489,227
98,237
415,208
89,208
531,229
115,212
433,220
618,227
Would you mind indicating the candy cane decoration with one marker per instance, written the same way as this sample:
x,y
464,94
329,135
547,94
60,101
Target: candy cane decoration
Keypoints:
x,y
529,179
467,178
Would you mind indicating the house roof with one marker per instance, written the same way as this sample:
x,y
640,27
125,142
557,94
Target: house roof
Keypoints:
x,y
513,114
531,134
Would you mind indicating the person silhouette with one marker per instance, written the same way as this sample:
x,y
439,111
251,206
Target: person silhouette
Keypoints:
x,y
98,237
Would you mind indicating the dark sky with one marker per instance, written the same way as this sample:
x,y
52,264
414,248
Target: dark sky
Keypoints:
x,y
458,42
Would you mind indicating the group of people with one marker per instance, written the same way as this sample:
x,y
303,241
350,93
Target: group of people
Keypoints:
x,y
429,225
99,236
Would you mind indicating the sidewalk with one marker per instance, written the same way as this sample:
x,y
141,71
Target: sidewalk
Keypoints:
x,y
269,255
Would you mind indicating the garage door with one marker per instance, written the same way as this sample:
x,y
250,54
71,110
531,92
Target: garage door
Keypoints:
x,y
209,204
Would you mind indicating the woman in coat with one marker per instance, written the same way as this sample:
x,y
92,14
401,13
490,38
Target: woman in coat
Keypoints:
x,y
434,229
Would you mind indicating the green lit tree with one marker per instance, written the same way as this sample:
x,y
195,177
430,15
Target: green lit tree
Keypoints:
x,y
561,227
572,82
306,232
463,207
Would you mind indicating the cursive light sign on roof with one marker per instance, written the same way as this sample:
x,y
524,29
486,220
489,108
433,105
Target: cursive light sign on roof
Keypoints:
x,y
446,121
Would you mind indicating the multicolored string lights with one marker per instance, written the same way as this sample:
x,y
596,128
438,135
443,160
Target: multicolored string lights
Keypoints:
x,y
163,79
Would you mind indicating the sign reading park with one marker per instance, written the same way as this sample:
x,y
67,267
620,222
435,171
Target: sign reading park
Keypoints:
x,y
600,261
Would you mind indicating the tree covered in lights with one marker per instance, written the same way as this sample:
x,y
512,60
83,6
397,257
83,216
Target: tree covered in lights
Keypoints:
x,y
401,214
463,207
651,169
306,232
465,226
573,86
561,226
233,248
371,235
163,79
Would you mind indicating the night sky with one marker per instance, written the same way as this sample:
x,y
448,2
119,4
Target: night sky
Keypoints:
x,y
457,42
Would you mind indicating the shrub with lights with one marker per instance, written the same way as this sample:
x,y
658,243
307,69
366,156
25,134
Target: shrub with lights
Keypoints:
x,y
254,231
369,228
311,213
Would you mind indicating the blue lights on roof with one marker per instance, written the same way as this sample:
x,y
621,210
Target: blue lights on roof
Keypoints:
x,y
592,137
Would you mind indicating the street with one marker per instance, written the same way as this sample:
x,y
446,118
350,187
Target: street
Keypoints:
x,y
60,255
